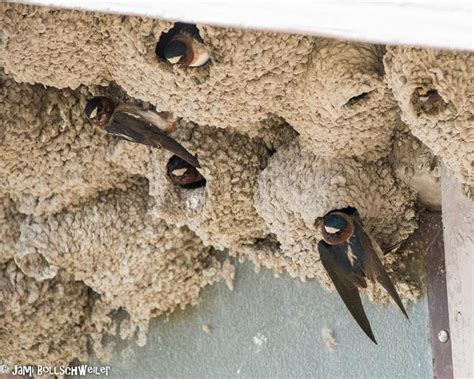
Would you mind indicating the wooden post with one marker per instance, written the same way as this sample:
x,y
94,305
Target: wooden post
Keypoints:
x,y
428,240
458,226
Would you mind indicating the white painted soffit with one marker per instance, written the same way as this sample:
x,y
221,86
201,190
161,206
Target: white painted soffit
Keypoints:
x,y
443,23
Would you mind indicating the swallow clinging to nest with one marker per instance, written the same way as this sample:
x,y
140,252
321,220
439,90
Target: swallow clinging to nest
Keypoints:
x,y
186,49
350,255
137,125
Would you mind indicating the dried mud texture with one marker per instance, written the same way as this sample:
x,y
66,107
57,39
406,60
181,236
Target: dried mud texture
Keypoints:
x,y
42,323
51,156
329,340
248,75
317,186
415,165
341,106
331,92
286,128
222,213
10,221
444,123
144,266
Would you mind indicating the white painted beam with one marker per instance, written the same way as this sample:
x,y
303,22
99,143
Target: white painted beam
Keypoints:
x,y
458,225
442,23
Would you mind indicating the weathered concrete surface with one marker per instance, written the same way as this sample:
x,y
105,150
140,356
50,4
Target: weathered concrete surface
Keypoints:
x,y
268,328
458,221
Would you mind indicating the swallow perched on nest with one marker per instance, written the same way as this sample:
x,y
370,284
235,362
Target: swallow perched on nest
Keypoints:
x,y
136,125
350,255
186,49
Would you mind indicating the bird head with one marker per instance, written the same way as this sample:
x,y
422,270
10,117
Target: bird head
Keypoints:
x,y
175,52
183,174
337,227
99,110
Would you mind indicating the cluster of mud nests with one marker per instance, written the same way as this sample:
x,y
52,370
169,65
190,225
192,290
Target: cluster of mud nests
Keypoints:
x,y
286,128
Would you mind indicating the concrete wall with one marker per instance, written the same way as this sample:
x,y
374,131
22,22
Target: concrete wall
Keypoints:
x,y
272,327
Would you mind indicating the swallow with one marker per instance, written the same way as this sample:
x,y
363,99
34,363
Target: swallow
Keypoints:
x,y
184,49
136,125
181,173
350,255
429,100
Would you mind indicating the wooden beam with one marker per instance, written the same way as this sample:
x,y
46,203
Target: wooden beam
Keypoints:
x,y
458,225
427,240
431,231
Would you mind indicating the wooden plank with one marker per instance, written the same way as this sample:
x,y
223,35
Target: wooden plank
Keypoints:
x,y
458,224
438,298
428,241
443,23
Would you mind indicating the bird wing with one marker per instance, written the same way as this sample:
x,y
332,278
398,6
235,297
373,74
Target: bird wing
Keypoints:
x,y
335,262
365,246
134,128
164,121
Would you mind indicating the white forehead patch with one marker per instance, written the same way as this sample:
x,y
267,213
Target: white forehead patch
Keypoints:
x,y
93,113
174,60
180,171
331,230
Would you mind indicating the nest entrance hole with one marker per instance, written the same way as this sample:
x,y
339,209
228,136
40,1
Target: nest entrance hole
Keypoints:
x,y
167,36
358,98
